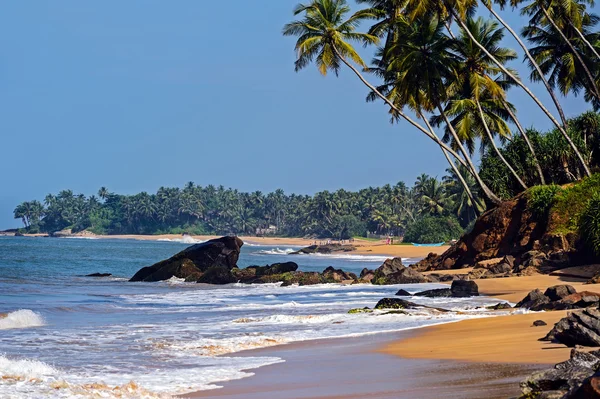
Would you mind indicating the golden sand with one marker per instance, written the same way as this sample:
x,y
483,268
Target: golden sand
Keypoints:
x,y
502,339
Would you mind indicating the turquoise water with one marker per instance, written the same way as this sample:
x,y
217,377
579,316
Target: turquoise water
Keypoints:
x,y
71,336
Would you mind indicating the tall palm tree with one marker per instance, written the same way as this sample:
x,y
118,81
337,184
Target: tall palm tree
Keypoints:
x,y
323,35
467,208
480,95
422,62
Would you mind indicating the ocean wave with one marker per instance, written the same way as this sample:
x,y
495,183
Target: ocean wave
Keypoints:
x,y
355,258
83,238
275,251
182,240
23,318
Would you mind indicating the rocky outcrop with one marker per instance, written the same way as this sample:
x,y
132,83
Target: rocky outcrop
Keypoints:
x,y
578,328
560,297
508,239
395,303
402,292
394,272
193,262
324,249
439,293
576,378
332,275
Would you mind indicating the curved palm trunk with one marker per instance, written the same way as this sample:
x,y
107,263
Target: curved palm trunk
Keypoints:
x,y
530,93
493,143
483,186
514,34
399,111
453,166
586,41
526,138
575,52
469,164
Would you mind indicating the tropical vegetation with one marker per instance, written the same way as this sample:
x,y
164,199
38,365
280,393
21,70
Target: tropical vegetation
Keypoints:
x,y
447,73
387,210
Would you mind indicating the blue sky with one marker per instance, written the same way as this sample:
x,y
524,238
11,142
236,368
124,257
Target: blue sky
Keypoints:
x,y
134,95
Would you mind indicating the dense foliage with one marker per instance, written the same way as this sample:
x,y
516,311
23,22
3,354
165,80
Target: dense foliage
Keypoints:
x,y
590,224
216,210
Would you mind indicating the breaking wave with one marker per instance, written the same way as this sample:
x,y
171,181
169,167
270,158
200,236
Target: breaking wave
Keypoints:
x,y
23,318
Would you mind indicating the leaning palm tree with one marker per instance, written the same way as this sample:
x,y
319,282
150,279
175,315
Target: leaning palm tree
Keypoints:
x,y
323,36
478,105
421,61
466,207
540,17
459,11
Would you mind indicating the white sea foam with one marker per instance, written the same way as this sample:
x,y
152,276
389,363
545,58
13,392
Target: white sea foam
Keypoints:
x,y
23,318
182,240
275,251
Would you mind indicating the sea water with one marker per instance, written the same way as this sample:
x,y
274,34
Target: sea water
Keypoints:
x,y
69,336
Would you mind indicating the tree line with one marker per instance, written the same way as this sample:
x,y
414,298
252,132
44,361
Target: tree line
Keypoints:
x,y
441,205
447,74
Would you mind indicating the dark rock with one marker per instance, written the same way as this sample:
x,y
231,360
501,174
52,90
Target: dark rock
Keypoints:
x,y
441,278
539,323
589,389
533,299
500,306
439,293
277,268
394,272
578,328
19,234
403,293
217,275
99,275
501,268
464,288
324,249
222,252
395,303
332,275
364,272
562,380
558,292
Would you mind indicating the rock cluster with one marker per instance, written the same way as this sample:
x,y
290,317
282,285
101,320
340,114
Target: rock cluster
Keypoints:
x,y
578,328
559,297
459,289
576,378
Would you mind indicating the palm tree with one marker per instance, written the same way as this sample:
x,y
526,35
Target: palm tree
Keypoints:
x,y
480,96
323,37
466,207
103,193
539,11
434,200
422,62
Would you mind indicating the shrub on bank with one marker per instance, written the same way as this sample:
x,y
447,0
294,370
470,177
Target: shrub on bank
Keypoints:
x,y
433,229
589,226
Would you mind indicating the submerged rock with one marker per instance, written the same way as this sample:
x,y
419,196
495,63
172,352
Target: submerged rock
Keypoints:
x,y
439,293
195,260
402,292
98,275
325,249
500,306
395,303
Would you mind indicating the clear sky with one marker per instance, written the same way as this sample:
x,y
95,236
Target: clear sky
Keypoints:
x,y
138,94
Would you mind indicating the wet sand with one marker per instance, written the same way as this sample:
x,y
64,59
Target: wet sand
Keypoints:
x,y
357,368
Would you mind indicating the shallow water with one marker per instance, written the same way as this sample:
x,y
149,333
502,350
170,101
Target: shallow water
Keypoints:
x,y
71,336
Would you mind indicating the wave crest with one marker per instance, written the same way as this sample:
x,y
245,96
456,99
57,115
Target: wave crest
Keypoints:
x,y
23,318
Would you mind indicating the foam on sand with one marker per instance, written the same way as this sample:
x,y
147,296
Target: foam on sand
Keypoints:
x,y
23,318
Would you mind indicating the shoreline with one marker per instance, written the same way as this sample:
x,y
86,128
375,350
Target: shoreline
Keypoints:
x,y
494,353
363,247
355,368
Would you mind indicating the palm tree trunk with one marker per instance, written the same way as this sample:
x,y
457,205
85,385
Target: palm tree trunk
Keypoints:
x,y
586,41
453,166
575,52
398,110
530,93
493,143
483,186
526,138
514,34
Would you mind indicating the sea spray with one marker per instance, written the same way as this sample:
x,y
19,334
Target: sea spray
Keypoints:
x,y
23,318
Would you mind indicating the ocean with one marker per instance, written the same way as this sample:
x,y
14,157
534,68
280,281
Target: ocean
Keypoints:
x,y
70,336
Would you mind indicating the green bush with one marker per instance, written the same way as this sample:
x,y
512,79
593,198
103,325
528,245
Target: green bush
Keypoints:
x,y
570,203
430,229
541,198
589,224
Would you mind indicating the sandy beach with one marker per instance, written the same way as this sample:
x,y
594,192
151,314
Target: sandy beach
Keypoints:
x,y
363,247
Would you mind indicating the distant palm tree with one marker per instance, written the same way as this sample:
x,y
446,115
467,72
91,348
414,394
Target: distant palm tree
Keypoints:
x,y
466,207
103,193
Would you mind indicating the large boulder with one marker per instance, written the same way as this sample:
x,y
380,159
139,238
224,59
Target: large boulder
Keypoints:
x,y
395,303
534,299
558,292
464,289
578,328
394,272
195,260
332,275
439,293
